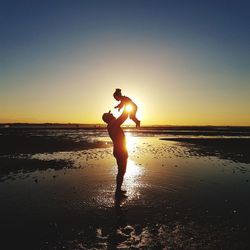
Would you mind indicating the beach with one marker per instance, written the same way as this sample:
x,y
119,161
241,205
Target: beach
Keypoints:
x,y
186,188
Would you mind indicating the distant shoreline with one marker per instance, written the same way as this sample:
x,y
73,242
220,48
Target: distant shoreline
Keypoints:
x,y
102,126
179,131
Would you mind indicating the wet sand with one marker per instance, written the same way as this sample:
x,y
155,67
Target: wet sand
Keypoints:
x,y
179,197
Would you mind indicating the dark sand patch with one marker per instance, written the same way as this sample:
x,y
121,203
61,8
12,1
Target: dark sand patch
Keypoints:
x,y
23,142
235,149
11,166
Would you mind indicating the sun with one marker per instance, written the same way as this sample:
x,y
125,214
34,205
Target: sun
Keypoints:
x,y
129,108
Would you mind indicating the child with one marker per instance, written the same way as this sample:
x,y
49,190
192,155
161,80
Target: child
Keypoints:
x,y
124,101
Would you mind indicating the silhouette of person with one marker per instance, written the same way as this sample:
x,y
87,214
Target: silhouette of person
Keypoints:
x,y
119,146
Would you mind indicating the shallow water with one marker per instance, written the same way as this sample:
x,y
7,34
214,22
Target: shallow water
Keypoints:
x,y
176,200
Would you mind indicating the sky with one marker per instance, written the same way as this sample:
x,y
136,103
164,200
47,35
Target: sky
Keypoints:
x,y
181,62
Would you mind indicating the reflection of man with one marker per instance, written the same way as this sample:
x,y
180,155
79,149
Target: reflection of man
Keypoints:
x,y
119,145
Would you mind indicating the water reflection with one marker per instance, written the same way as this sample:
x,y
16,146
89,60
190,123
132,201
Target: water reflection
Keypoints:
x,y
131,142
133,171
132,179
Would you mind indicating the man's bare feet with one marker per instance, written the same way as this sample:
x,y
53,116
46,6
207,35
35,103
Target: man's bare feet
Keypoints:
x,y
121,193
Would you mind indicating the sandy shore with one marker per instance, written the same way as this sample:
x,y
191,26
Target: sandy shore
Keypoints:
x,y
179,197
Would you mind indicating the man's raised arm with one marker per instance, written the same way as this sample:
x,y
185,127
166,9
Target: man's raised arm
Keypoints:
x,y
122,118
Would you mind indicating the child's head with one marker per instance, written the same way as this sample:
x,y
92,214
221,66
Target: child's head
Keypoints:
x,y
118,94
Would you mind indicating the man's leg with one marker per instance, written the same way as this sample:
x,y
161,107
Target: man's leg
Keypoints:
x,y
122,165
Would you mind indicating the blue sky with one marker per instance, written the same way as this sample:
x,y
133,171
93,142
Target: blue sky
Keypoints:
x,y
42,38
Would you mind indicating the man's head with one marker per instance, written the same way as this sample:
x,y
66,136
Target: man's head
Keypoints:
x,y
108,117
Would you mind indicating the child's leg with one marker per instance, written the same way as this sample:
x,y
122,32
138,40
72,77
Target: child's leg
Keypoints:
x,y
132,116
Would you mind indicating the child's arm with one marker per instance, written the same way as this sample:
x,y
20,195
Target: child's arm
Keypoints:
x,y
120,105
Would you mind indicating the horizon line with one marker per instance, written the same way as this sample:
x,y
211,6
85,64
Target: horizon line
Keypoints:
x,y
6,124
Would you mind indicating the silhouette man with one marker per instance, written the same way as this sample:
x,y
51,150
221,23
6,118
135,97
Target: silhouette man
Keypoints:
x,y
119,146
